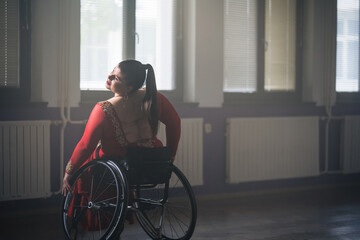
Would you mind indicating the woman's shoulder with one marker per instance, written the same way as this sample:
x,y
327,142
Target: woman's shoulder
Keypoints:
x,y
160,95
104,105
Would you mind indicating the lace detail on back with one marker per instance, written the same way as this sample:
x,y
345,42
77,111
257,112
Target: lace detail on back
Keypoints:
x,y
110,112
119,133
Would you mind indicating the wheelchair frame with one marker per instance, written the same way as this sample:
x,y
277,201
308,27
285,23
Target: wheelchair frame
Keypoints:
x,y
105,190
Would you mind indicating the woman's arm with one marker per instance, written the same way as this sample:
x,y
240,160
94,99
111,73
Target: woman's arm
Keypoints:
x,y
92,134
171,119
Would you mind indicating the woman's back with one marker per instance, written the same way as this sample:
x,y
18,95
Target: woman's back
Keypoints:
x,y
133,117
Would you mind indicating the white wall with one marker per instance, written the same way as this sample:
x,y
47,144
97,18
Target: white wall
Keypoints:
x,y
48,38
209,53
189,34
318,59
44,51
203,43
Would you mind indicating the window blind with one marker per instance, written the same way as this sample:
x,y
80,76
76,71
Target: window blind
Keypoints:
x,y
101,41
155,39
280,45
347,46
240,46
9,43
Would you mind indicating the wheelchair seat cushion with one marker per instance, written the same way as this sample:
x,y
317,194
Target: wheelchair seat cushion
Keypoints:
x,y
149,165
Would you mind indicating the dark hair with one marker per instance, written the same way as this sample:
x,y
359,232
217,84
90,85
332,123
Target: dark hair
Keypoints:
x,y
134,74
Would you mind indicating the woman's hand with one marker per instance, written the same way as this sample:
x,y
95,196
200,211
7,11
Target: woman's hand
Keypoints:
x,y
66,186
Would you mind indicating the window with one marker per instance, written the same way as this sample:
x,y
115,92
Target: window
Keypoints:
x,y
280,45
240,24
154,39
260,49
15,50
114,30
101,41
347,47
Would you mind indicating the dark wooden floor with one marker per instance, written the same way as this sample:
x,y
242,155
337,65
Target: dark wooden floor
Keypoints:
x,y
326,213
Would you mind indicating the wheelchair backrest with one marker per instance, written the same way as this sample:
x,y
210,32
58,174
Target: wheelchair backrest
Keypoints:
x,y
149,165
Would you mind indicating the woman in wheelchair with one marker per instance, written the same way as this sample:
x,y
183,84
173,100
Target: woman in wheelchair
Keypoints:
x,y
119,165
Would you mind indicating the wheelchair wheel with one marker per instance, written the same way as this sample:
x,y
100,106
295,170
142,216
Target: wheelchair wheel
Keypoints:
x,y
167,211
98,202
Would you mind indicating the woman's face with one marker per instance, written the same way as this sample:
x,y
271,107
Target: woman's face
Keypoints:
x,y
116,83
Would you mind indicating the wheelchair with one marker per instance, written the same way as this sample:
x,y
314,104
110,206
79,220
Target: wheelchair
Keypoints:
x,y
145,183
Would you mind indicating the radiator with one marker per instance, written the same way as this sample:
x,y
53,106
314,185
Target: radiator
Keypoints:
x,y
271,148
24,159
351,145
189,157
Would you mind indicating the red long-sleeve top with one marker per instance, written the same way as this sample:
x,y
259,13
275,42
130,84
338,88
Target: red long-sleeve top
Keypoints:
x,y
104,125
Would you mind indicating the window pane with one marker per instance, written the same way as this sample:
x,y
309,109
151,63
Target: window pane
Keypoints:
x,y
240,46
340,27
280,45
101,41
347,46
9,44
340,73
155,39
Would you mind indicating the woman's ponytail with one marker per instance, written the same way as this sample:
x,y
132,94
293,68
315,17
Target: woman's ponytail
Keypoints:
x,y
134,73
150,99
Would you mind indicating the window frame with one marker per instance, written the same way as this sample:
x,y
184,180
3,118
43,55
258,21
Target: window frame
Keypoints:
x,y
21,94
129,21
274,97
345,97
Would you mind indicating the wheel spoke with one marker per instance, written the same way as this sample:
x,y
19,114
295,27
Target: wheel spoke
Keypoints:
x,y
102,177
179,221
171,226
181,212
92,185
105,200
104,190
99,221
